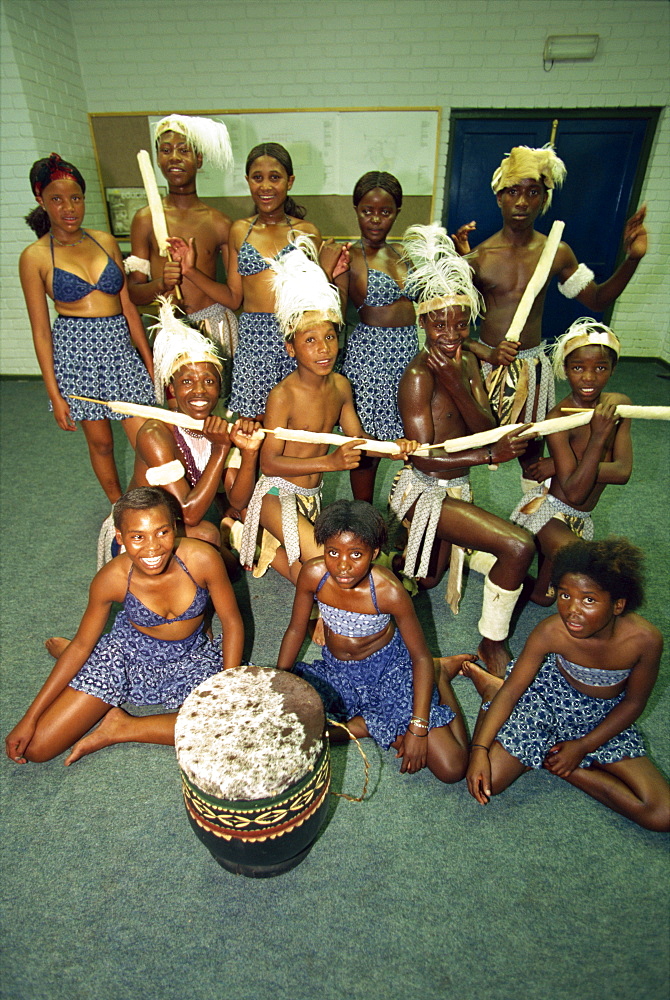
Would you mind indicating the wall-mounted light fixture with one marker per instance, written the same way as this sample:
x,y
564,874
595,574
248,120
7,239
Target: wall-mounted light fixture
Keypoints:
x,y
570,48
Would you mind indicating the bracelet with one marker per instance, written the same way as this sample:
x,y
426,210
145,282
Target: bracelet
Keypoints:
x,y
490,456
419,723
480,746
420,718
419,736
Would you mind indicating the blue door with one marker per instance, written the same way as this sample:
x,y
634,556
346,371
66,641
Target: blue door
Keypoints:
x,y
605,158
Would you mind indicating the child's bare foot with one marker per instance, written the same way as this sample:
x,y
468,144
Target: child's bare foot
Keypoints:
x,y
56,645
449,666
495,655
318,632
109,731
486,684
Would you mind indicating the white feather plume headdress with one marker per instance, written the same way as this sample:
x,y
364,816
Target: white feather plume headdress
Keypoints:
x,y
208,137
582,333
302,287
177,344
536,164
439,277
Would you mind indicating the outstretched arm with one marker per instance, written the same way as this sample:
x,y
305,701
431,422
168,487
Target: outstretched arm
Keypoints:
x,y
303,603
522,675
217,583
599,297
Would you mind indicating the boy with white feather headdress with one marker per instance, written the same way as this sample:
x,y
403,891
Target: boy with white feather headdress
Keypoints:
x,y
183,142
313,398
441,396
504,265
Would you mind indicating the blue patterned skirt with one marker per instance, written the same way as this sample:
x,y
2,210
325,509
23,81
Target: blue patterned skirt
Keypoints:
x,y
551,711
260,363
379,688
128,666
94,356
375,360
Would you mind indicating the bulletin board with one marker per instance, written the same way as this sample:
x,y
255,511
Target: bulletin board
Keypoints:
x,y
330,149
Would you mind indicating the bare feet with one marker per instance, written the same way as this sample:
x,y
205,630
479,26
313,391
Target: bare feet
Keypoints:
x,y
110,730
56,645
486,684
448,667
495,656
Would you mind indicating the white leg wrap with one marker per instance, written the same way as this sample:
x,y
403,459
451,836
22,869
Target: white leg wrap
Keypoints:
x,y
481,562
497,608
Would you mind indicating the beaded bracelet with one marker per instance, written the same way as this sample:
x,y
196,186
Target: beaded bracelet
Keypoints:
x,y
418,724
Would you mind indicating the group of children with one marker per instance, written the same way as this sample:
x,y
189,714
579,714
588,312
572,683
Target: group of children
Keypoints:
x,y
556,708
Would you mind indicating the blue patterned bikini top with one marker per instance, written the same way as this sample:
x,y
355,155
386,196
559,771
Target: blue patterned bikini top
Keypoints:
x,y
251,261
352,623
140,614
383,290
69,287
592,675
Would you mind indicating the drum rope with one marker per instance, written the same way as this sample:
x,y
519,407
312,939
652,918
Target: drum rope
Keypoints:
x,y
366,762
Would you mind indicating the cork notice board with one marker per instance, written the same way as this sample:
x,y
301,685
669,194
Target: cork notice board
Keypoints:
x,y
330,148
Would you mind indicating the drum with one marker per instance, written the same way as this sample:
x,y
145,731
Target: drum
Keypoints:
x,y
255,768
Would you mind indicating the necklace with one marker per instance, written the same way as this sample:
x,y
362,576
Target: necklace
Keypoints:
x,y
76,242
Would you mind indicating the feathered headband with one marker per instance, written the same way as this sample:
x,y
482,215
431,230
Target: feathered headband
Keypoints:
x,y
439,277
536,164
177,344
302,287
583,332
208,137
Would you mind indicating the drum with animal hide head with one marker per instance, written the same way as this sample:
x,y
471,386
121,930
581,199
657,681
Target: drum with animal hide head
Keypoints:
x,y
255,768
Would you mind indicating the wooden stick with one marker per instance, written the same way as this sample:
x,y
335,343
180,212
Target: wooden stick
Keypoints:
x,y
156,208
531,291
627,410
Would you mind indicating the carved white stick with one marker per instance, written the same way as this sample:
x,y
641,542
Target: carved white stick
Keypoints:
x,y
627,410
155,202
158,222
537,281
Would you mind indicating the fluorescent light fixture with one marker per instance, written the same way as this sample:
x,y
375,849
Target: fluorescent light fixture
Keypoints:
x,y
566,48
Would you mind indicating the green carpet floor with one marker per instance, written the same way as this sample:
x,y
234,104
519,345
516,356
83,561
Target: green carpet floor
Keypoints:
x,y
416,892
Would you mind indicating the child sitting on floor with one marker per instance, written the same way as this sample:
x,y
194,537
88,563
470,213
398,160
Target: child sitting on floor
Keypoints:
x,y
583,677
376,676
585,458
312,398
155,654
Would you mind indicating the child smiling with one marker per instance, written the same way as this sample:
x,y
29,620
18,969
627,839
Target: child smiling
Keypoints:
x,y
572,696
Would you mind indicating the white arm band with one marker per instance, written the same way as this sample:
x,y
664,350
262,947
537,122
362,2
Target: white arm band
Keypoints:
x,y
577,282
163,475
134,263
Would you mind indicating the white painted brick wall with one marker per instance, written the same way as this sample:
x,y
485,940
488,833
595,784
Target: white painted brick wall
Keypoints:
x,y
162,55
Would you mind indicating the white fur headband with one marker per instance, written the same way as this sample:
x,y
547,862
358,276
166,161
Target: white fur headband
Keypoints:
x,y
177,344
582,333
536,164
302,287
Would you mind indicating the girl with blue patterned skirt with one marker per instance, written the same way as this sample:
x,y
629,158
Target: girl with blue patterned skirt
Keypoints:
x,y
385,340
97,346
376,676
569,702
157,651
260,361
